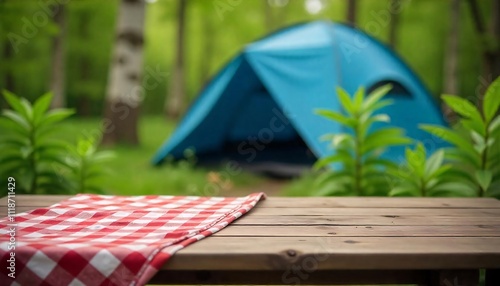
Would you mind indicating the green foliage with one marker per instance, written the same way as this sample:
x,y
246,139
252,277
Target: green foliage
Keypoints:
x,y
28,153
422,176
85,164
475,151
358,152
40,163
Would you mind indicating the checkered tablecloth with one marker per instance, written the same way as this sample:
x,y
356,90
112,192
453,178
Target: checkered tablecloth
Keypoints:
x,y
110,240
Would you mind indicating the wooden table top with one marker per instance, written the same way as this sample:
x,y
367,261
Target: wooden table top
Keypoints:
x,y
347,233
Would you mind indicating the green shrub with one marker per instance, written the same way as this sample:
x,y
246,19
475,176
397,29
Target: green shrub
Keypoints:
x,y
28,152
85,164
422,176
475,151
39,163
358,153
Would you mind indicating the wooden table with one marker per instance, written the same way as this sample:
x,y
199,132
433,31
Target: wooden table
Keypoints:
x,y
428,241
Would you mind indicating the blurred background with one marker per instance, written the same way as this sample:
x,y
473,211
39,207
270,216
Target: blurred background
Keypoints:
x,y
67,47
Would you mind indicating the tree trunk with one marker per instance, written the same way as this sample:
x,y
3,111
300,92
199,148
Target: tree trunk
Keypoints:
x,y
83,101
491,55
124,90
351,12
9,83
208,49
451,57
268,15
8,53
175,99
57,81
281,16
495,28
393,26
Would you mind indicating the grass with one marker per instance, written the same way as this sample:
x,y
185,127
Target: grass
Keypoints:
x,y
301,186
131,172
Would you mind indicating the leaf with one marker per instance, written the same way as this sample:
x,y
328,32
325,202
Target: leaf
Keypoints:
x,y
438,174
27,109
378,105
480,147
366,121
494,125
483,178
450,136
341,139
4,160
476,137
464,107
41,106
333,175
335,116
452,188
329,160
383,138
415,160
58,158
18,119
359,96
14,102
345,101
375,161
462,157
8,126
56,146
14,141
491,100
333,188
55,115
404,190
470,124
434,163
375,96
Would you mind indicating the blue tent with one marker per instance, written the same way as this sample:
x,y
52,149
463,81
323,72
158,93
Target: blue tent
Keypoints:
x,y
260,107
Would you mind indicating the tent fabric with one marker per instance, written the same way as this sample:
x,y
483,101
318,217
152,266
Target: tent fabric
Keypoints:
x,y
262,102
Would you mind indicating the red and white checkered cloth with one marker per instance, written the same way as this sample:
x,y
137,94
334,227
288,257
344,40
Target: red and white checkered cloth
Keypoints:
x,y
110,240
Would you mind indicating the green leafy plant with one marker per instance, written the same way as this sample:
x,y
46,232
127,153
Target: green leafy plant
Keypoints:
x,y
475,149
422,176
28,153
40,163
85,164
358,152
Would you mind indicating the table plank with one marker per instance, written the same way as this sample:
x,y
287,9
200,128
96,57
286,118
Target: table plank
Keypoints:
x,y
305,212
362,231
344,233
315,202
376,211
366,220
353,253
378,202
35,200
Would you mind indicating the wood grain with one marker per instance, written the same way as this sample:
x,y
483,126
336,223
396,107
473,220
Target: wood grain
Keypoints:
x,y
316,202
354,253
407,238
